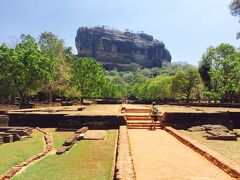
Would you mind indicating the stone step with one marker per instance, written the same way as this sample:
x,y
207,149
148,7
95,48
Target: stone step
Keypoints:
x,y
141,121
137,115
139,118
133,110
141,127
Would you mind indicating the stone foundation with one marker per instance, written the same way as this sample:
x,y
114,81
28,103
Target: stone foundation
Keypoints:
x,y
92,122
65,122
185,120
235,118
35,120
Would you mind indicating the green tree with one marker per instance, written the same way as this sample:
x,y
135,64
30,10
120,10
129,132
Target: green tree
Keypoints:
x,y
184,83
26,67
88,77
205,66
160,88
7,55
60,56
223,70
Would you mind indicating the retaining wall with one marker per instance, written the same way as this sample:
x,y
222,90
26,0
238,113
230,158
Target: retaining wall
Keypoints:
x,y
35,120
235,118
92,122
182,120
63,121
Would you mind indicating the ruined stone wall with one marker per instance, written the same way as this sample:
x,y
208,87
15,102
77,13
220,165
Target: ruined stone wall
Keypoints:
x,y
66,122
181,120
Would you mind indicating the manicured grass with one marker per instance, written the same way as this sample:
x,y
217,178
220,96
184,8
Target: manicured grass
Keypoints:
x,y
16,152
59,137
229,149
86,160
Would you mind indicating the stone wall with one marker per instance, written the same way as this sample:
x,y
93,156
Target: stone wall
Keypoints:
x,y
92,122
66,121
35,120
182,120
235,118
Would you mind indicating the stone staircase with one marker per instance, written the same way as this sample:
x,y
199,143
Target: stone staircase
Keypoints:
x,y
138,118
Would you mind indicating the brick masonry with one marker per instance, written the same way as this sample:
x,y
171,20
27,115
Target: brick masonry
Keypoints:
x,y
124,164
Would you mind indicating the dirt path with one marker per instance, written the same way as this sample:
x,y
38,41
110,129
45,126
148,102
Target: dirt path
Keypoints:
x,y
158,155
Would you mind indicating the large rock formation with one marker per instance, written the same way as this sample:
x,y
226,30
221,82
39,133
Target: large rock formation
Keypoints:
x,y
114,48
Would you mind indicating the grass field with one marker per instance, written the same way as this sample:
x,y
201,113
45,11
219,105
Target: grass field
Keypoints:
x,y
86,160
229,149
16,152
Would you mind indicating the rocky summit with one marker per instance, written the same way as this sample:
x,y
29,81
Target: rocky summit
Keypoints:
x,y
114,48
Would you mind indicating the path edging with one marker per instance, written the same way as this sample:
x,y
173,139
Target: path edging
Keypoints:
x,y
124,163
48,146
231,169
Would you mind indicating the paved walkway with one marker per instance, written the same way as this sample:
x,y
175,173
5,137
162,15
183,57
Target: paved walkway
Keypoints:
x,y
158,155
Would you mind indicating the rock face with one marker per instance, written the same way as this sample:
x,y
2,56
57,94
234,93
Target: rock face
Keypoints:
x,y
114,48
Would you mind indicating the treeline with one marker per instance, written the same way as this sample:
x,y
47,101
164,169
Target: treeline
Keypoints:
x,y
216,79
45,68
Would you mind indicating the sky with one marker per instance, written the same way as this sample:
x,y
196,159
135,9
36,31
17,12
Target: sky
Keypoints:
x,y
187,27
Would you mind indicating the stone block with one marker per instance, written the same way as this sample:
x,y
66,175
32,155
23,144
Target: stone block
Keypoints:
x,y
4,119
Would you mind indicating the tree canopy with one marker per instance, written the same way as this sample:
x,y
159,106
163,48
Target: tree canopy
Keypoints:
x,y
88,77
219,69
26,67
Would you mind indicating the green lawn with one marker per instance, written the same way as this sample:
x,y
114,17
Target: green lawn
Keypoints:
x,y
86,160
16,152
229,149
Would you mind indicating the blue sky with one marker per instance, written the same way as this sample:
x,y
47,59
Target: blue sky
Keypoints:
x,y
187,27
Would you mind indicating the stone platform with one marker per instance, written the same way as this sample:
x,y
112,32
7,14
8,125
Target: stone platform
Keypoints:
x,y
71,117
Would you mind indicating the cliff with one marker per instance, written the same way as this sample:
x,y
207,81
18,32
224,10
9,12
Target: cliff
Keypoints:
x,y
114,48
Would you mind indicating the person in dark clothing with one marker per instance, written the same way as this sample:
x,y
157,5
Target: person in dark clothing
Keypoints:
x,y
154,113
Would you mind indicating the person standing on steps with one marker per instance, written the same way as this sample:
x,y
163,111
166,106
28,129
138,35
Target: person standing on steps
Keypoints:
x,y
154,113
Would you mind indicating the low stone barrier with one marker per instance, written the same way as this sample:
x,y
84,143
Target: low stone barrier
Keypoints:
x,y
184,120
229,167
48,146
67,145
108,101
124,164
7,137
227,105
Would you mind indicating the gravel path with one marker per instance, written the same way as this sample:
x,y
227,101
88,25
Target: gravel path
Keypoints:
x,y
158,155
